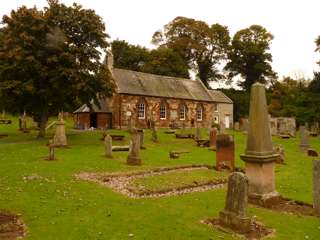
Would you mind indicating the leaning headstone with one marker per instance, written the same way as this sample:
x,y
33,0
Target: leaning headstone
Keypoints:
x,y
51,156
304,138
234,214
316,186
259,155
108,146
236,126
225,152
134,150
141,134
213,138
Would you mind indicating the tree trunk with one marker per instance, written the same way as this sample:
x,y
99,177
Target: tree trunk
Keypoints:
x,y
43,124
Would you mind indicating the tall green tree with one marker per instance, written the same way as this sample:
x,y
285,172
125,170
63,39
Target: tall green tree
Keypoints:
x,y
128,56
249,56
161,61
201,46
50,60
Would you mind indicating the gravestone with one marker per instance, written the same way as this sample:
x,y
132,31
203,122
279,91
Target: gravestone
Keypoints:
x,y
134,149
234,214
51,156
280,150
222,127
108,146
259,155
304,138
60,138
213,138
141,134
198,133
225,152
244,124
236,126
316,186
154,131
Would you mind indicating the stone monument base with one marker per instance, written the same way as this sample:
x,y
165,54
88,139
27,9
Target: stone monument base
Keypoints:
x,y
133,161
240,224
261,180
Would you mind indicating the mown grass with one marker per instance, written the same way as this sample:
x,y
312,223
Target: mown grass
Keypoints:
x,y
57,206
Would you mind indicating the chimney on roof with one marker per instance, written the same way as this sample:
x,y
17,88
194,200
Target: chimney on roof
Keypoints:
x,y
109,61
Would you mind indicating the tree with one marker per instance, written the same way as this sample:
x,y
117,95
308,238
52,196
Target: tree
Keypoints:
x,y
128,56
165,61
50,60
161,61
314,85
201,46
249,56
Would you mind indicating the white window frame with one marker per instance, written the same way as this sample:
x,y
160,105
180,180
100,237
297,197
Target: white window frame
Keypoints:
x,y
182,110
141,110
163,111
199,113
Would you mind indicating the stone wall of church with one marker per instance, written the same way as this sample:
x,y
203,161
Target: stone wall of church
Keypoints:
x,y
126,107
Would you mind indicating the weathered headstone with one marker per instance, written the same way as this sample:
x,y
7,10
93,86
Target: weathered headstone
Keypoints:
x,y
222,127
134,150
213,138
141,134
244,124
225,152
108,146
236,126
154,132
259,155
60,138
280,150
304,138
234,214
316,186
51,146
198,133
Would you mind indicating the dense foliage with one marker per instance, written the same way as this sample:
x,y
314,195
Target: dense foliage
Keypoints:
x,y
161,61
50,60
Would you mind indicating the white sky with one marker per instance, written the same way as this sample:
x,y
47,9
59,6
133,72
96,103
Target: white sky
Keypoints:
x,y
294,23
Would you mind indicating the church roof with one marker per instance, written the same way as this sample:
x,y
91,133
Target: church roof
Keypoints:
x,y
219,96
146,84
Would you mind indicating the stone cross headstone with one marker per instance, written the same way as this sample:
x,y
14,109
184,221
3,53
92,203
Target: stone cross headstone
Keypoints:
x,y
304,138
51,156
141,134
60,138
316,186
134,151
234,214
213,138
108,146
154,132
259,155
225,152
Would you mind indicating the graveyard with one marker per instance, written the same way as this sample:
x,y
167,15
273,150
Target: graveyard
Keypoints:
x,y
55,203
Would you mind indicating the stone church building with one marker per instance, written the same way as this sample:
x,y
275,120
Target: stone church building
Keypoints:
x,y
169,101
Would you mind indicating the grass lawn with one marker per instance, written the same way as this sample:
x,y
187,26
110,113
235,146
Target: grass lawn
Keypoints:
x,y
56,206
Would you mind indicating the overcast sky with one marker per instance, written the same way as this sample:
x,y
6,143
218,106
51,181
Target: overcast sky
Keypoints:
x,y
294,23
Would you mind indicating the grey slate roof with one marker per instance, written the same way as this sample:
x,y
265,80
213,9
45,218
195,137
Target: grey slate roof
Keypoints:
x,y
219,97
104,107
138,83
